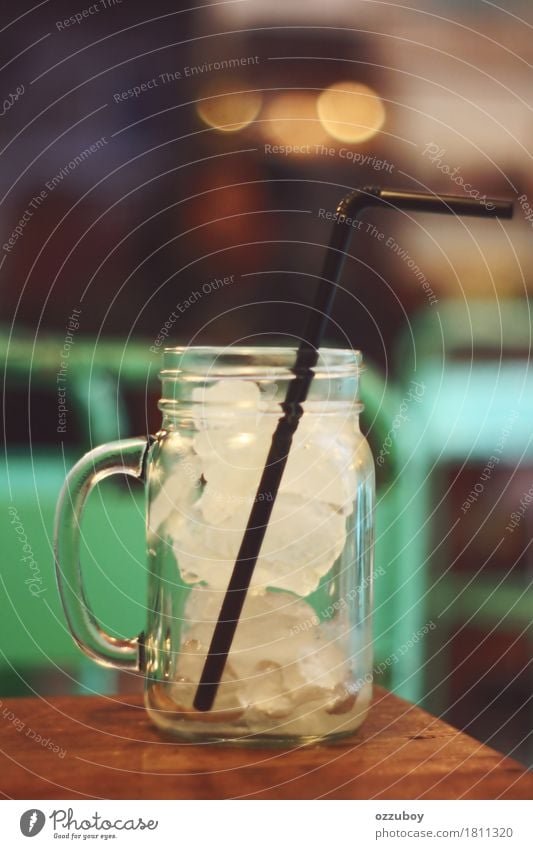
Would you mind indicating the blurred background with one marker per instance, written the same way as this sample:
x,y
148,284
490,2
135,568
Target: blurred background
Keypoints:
x,y
149,153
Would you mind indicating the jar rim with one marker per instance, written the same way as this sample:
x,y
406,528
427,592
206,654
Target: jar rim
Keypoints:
x,y
240,361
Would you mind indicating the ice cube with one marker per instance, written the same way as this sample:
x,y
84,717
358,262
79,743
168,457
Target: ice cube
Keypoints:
x,y
307,528
231,472
280,658
321,465
302,542
264,691
227,706
234,448
218,405
179,489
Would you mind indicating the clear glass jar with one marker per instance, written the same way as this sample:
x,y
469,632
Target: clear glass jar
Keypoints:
x,y
299,669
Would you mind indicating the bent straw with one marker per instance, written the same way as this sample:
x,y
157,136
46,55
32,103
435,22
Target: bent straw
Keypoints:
x,y
350,206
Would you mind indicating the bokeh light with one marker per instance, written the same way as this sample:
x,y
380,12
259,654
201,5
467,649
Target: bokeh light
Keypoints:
x,y
291,119
228,109
350,112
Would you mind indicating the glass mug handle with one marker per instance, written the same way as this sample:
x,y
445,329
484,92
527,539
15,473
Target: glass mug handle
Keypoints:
x,y
128,457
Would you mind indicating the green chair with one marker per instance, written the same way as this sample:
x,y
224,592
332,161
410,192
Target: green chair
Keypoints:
x,y
34,640
473,360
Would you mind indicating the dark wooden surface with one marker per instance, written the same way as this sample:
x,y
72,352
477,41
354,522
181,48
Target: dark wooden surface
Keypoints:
x,y
110,750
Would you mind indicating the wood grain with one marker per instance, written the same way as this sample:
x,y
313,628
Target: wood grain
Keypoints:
x,y
108,749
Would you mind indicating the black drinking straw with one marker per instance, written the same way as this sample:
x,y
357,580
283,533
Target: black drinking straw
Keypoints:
x,y
350,207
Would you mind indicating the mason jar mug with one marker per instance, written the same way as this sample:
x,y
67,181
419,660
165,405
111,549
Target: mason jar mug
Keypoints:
x,y
299,667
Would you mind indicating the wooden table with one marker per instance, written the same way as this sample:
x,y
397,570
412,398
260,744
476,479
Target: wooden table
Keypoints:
x,y
106,748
